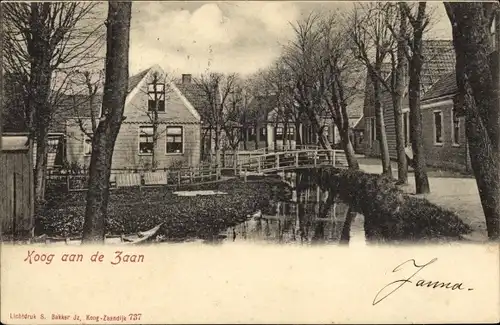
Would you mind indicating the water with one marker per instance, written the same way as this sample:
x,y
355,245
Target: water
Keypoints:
x,y
299,222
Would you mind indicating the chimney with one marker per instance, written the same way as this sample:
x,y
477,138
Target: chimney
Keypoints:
x,y
186,78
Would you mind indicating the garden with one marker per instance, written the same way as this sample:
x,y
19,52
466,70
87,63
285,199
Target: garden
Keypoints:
x,y
134,209
390,215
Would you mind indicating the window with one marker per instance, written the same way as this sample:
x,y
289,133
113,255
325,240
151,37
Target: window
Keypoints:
x,y
251,134
52,145
455,128
279,133
291,133
262,132
145,140
156,96
87,145
174,139
406,128
438,127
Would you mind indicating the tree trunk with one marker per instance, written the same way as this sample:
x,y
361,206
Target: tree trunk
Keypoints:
x,y
40,164
245,137
352,162
298,139
39,107
257,137
115,92
397,101
217,146
343,126
382,136
477,81
419,165
275,141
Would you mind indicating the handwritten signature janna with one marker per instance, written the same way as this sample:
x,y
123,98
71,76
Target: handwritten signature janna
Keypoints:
x,y
392,287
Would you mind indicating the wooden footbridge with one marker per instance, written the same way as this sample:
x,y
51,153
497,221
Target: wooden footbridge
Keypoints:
x,y
292,160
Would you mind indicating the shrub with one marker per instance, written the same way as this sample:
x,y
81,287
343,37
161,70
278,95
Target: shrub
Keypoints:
x,y
390,215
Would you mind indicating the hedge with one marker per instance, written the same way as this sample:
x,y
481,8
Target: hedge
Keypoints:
x,y
390,214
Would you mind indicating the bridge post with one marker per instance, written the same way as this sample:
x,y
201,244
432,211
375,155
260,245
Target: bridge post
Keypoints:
x,y
315,156
258,165
277,161
297,159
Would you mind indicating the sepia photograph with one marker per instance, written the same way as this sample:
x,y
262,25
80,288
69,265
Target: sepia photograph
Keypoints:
x,y
164,132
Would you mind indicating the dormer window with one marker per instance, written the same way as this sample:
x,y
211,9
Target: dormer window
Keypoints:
x,y
156,97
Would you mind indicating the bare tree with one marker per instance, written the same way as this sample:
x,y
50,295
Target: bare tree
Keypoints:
x,y
418,21
279,81
84,88
303,60
216,88
372,42
41,39
478,99
397,22
103,142
339,75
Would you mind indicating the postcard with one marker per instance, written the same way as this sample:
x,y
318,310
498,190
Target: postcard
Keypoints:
x,y
246,162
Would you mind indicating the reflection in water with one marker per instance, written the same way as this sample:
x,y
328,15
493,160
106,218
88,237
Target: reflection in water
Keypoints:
x,y
304,221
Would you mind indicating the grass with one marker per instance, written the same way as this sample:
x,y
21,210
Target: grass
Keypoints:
x,y
137,209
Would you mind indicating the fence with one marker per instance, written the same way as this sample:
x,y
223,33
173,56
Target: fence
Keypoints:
x,y
127,178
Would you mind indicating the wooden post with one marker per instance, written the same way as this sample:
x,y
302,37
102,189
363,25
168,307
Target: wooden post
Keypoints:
x,y
68,182
245,176
277,161
258,165
315,156
297,159
179,178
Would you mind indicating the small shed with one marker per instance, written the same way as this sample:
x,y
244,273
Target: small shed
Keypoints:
x,y
16,186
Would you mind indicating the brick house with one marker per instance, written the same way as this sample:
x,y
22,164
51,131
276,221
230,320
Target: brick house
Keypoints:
x,y
445,143
178,135
444,135
439,60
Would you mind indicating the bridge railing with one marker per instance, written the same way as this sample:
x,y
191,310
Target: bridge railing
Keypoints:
x,y
290,160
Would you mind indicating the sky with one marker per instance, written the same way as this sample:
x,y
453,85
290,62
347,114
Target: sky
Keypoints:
x,y
242,37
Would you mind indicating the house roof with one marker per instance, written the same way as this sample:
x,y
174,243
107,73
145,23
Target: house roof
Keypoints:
x,y
134,80
193,94
355,107
261,107
360,124
438,60
70,106
447,85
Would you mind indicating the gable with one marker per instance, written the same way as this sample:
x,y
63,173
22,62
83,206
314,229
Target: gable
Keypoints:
x,y
178,109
